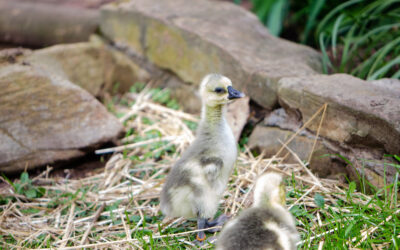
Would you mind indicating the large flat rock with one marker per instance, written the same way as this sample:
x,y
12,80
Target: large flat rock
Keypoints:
x,y
193,38
360,113
44,118
37,24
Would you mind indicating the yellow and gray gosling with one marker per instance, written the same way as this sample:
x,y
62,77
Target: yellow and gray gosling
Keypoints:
x,y
196,182
266,225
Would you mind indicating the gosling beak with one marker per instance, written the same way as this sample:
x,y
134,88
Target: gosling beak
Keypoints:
x,y
234,94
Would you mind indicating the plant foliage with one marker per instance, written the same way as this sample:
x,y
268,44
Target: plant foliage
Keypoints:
x,y
359,37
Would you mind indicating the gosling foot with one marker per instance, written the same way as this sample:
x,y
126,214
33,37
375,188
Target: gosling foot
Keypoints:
x,y
220,221
204,224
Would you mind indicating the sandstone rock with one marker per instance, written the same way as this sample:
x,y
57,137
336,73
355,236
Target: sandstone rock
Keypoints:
x,y
237,114
387,83
193,38
280,118
123,71
12,55
267,138
81,63
360,113
85,4
36,24
44,118
91,65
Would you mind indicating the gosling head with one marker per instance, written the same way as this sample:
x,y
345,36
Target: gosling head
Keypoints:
x,y
217,90
269,190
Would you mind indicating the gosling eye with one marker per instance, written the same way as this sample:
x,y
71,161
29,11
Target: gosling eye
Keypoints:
x,y
219,90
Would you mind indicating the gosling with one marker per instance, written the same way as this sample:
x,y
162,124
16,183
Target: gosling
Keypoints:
x,y
267,225
196,182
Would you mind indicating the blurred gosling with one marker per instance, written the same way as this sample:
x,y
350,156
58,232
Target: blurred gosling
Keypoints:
x,y
266,225
196,182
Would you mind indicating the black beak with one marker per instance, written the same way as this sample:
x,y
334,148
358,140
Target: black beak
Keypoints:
x,y
234,94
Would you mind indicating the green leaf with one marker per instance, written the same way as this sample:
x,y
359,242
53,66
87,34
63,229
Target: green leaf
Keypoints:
x,y
319,200
352,187
24,178
40,191
31,193
9,181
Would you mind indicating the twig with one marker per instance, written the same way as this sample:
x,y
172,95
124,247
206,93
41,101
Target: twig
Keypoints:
x,y
318,130
69,225
300,129
95,218
134,145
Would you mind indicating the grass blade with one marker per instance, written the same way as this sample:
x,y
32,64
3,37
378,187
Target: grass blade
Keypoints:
x,y
335,33
382,53
384,69
275,17
316,6
336,10
326,63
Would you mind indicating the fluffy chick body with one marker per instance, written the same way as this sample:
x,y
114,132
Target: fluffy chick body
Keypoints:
x,y
267,225
198,179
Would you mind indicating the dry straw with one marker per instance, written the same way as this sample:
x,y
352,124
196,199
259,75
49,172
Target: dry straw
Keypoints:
x,y
88,219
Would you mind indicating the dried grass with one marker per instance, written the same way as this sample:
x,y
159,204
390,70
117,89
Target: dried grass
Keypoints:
x,y
81,221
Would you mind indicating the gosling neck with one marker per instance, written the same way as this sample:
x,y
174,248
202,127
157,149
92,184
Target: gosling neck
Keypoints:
x,y
213,116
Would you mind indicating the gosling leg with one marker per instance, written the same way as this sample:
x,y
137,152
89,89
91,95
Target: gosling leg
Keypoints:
x,y
201,224
220,221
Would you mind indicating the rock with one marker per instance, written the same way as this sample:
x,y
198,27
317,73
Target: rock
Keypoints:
x,y
123,71
12,55
193,38
387,83
360,113
237,114
269,139
84,4
91,65
379,172
35,24
44,118
82,63
280,118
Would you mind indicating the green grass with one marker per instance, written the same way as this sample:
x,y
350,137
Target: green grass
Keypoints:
x,y
358,37
362,38
341,225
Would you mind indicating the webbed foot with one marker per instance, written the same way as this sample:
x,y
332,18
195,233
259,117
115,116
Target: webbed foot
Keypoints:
x,y
220,221
202,223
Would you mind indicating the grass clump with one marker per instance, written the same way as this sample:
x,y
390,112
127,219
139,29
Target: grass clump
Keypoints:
x,y
357,37
362,38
